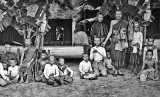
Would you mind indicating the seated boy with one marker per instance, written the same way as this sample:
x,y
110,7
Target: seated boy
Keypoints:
x,y
4,79
97,54
85,68
109,64
13,70
151,71
152,47
65,72
51,73
41,64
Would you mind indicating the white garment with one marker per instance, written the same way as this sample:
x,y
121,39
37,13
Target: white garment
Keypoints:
x,y
155,55
96,56
85,67
51,69
137,38
14,71
3,72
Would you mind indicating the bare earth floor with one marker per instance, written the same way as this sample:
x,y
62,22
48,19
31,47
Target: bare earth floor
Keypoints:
x,y
103,87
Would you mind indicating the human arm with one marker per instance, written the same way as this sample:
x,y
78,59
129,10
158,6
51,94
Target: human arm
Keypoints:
x,y
93,29
80,68
91,53
21,61
141,43
143,66
45,71
57,71
2,72
71,71
109,34
144,53
155,54
90,67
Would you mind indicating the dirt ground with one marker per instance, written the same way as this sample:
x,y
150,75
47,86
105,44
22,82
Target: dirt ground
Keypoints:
x,y
110,86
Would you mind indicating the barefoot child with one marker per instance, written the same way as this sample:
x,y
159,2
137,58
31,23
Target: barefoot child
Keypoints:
x,y
109,64
85,68
152,47
51,73
13,71
97,54
66,73
149,68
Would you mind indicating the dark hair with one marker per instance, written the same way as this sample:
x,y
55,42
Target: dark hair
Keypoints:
x,y
149,51
84,54
150,37
43,51
14,59
78,28
60,58
108,51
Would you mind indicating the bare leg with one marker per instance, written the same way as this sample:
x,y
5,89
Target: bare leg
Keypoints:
x,y
21,81
27,79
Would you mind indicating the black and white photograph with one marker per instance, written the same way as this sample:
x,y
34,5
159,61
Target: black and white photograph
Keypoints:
x,y
79,48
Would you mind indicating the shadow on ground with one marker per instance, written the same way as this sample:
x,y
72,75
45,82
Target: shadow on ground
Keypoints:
x,y
103,87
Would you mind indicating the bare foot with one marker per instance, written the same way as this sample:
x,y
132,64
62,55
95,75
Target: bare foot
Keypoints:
x,y
26,82
21,81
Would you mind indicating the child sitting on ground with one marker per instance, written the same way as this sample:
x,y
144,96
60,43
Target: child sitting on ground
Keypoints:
x,y
66,74
41,64
51,73
109,64
4,79
151,71
97,54
152,47
13,71
85,68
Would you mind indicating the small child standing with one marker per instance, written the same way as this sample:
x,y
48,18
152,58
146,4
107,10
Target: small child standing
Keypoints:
x,y
109,64
151,71
85,68
13,71
97,54
66,73
51,73
151,47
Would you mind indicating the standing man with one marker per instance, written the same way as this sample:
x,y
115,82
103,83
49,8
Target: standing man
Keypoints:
x,y
99,29
7,55
27,63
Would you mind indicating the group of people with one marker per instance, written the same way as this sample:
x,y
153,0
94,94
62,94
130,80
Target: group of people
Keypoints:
x,y
111,60
33,64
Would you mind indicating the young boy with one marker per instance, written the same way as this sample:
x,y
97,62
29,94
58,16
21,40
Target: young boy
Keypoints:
x,y
51,73
13,71
151,71
66,73
85,68
99,29
152,47
97,54
136,44
109,64
4,79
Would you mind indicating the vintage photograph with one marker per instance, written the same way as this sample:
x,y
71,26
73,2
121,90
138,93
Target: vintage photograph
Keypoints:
x,y
79,48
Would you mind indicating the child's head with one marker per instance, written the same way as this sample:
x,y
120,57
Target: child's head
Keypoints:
x,y
149,54
13,62
43,54
100,17
136,26
85,56
8,47
51,59
28,41
150,40
97,41
61,61
108,53
5,65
